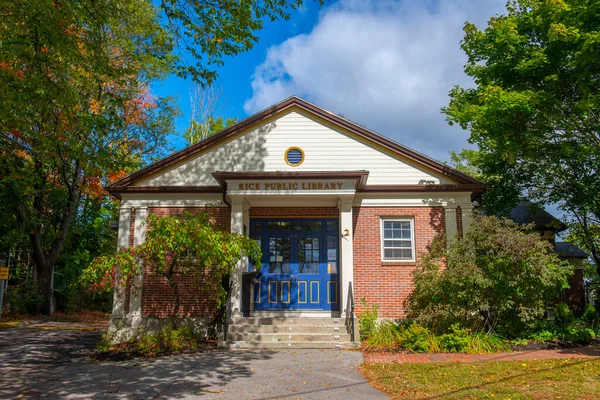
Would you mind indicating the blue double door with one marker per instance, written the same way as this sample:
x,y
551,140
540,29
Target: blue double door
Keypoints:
x,y
300,265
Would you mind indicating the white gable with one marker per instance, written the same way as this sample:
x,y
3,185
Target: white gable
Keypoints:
x,y
326,148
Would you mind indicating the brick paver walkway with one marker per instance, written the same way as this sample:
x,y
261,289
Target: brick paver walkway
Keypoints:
x,y
580,352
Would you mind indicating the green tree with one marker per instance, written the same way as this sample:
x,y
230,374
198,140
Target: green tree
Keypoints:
x,y
91,235
501,194
75,105
207,107
188,245
198,131
533,111
74,81
500,276
466,162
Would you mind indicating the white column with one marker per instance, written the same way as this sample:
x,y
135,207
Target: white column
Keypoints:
x,y
122,242
135,300
346,253
237,226
467,218
451,226
246,217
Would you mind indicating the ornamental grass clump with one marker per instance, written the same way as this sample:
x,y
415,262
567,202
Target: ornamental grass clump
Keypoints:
x,y
461,340
484,343
417,338
386,335
367,320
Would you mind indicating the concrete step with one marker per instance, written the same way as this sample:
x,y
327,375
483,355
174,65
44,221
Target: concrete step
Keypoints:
x,y
242,328
288,332
232,345
287,337
288,321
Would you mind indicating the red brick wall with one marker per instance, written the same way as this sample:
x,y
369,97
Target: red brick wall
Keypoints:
x,y
387,284
575,295
221,216
157,300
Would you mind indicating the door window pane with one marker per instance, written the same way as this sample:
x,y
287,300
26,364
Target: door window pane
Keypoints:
x,y
279,255
332,267
294,225
332,244
308,255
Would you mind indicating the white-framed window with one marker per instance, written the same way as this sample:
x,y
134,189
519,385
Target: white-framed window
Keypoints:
x,y
397,239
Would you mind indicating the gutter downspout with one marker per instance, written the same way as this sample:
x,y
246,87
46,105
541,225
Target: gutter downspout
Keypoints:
x,y
225,195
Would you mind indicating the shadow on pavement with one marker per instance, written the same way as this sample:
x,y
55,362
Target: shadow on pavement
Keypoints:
x,y
55,364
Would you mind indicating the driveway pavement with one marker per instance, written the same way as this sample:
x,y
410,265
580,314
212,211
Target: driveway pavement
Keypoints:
x,y
54,364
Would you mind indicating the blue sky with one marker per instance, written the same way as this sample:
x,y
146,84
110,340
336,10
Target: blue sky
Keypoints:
x,y
236,75
385,64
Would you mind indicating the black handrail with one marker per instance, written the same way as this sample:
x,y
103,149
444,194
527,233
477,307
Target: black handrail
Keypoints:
x,y
225,314
351,300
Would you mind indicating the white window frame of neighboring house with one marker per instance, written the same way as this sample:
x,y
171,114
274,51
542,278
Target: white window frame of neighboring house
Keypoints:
x,y
412,239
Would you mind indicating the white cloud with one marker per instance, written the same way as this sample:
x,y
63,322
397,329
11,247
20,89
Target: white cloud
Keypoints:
x,y
384,64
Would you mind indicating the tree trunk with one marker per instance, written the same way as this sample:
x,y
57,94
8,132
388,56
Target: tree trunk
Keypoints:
x,y
177,302
44,269
44,274
46,261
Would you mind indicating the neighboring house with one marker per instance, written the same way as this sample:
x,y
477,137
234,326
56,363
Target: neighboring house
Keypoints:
x,y
341,213
549,227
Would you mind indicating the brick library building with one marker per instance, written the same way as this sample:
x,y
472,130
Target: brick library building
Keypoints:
x,y
340,212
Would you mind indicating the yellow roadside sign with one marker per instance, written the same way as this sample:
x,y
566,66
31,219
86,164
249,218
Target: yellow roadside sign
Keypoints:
x,y
3,273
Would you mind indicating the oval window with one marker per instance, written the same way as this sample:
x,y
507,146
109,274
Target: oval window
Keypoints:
x,y
294,156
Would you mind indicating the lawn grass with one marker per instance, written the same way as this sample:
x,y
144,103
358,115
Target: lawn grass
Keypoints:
x,y
539,379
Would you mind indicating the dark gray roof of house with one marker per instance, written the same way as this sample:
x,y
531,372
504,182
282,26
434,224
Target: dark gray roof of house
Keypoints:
x,y
527,213
566,249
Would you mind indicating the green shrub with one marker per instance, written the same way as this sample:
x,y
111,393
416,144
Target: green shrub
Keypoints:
x,y
577,333
519,342
168,340
367,320
455,342
387,335
543,336
590,316
419,339
499,275
25,299
105,343
563,315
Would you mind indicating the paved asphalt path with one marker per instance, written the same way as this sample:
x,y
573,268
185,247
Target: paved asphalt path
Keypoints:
x,y
54,364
